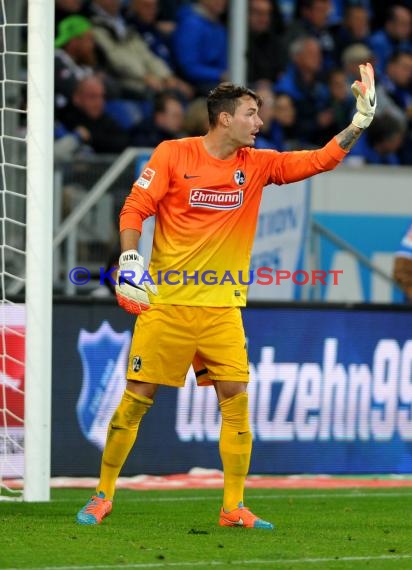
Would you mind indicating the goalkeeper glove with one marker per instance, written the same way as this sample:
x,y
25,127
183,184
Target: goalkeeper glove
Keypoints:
x,y
364,92
130,292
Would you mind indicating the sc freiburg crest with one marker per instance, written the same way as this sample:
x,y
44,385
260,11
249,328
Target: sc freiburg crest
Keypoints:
x,y
239,177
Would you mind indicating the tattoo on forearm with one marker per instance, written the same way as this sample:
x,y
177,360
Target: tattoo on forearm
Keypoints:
x,y
348,137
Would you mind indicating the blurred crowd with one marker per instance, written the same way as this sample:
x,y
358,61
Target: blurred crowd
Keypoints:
x,y
136,72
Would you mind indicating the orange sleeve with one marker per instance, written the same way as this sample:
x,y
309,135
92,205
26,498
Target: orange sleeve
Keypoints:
x,y
298,165
148,190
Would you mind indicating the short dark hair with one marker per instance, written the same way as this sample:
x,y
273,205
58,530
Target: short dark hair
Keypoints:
x,y
225,98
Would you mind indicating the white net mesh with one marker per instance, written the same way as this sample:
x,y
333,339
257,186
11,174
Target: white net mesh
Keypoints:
x,y
13,66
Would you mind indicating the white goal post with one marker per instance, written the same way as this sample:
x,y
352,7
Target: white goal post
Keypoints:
x,y
26,241
39,240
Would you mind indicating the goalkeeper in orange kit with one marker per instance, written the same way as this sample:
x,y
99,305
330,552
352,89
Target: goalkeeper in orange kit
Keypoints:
x,y
205,192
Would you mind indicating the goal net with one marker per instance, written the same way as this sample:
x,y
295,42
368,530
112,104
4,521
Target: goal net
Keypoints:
x,y
26,174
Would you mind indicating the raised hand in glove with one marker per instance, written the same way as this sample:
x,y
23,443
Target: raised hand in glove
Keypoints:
x,y
364,92
130,292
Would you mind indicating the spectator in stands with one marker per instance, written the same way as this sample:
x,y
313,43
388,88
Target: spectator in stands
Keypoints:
x,y
352,57
313,21
168,14
85,115
266,114
142,16
67,143
355,29
125,54
338,7
402,265
284,123
165,123
309,94
75,58
264,59
394,90
289,9
196,121
382,143
341,99
394,36
200,44
278,115
65,8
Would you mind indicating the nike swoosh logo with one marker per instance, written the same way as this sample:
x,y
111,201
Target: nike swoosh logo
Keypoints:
x,y
235,523
372,101
189,176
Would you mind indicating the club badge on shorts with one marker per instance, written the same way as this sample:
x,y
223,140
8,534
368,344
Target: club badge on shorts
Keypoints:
x,y
136,363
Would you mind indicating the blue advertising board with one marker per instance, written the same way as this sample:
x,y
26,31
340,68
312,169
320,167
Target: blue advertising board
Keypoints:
x,y
330,392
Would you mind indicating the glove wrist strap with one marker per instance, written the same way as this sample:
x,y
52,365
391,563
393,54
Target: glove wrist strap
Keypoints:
x,y
361,121
131,255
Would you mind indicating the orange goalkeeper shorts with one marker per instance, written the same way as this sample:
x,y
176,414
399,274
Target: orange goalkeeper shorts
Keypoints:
x,y
167,339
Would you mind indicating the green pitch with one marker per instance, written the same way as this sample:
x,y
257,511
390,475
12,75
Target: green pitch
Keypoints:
x,y
316,529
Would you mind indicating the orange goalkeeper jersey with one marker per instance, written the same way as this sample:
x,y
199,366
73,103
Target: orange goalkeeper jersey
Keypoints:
x,y
206,213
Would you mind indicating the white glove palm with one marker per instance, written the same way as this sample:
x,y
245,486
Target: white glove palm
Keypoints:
x,y
131,292
364,92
